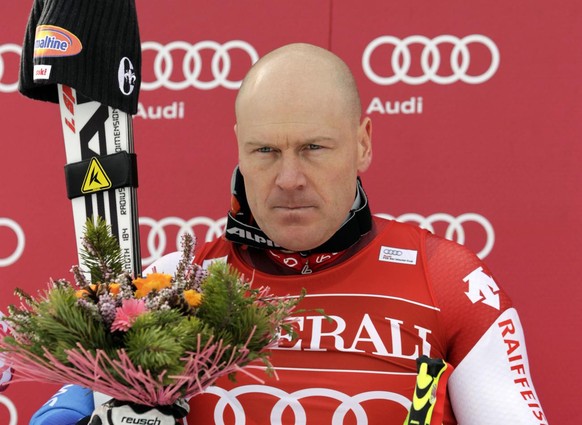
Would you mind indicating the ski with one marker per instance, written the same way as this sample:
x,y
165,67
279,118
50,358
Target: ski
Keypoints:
x,y
101,170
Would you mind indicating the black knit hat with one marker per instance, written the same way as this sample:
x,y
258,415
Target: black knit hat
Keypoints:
x,y
92,46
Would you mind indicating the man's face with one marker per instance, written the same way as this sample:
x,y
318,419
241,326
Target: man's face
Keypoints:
x,y
300,164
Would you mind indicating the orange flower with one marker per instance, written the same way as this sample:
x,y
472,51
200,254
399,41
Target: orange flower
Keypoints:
x,y
82,292
193,298
153,281
114,288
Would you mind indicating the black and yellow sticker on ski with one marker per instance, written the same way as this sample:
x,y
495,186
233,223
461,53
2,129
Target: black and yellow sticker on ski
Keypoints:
x,y
96,178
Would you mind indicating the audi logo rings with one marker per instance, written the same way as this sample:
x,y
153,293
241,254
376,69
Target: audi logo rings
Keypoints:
x,y
9,405
395,252
220,64
20,241
430,59
157,239
454,226
228,401
7,48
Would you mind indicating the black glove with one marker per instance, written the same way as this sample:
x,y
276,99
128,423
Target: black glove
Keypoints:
x,y
116,412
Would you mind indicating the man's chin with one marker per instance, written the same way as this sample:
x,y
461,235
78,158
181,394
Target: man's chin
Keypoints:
x,y
298,241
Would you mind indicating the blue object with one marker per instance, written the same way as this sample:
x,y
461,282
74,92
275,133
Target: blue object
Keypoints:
x,y
69,405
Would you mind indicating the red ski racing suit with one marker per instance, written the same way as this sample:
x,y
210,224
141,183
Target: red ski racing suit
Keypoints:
x,y
405,294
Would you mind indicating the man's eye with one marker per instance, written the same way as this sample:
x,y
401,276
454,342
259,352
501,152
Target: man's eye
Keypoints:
x,y
265,149
313,146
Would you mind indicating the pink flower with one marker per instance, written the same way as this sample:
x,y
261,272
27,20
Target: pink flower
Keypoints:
x,y
127,313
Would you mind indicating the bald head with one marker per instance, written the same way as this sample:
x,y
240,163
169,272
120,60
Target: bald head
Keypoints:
x,y
301,144
296,73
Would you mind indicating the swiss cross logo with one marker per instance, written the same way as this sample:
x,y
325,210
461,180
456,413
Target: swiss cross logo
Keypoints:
x,y
482,288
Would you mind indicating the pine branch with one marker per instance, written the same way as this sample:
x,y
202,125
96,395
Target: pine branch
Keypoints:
x,y
149,344
223,298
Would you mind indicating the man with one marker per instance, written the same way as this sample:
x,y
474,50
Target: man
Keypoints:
x,y
391,291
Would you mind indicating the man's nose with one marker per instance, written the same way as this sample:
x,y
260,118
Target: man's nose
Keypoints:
x,y
290,175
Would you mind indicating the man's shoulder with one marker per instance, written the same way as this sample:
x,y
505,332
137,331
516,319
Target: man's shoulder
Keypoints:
x,y
393,227
219,247
166,264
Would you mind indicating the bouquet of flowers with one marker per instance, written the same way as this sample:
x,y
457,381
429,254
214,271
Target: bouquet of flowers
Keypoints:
x,y
150,341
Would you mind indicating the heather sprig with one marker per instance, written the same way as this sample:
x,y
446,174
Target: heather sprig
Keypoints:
x,y
100,253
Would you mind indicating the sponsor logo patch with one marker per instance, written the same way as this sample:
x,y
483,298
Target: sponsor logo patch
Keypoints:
x,y
42,72
482,288
95,179
126,76
398,255
53,41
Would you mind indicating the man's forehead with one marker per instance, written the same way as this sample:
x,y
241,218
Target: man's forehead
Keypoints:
x,y
283,109
288,130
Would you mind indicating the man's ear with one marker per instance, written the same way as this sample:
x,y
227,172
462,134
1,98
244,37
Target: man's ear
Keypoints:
x,y
364,144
